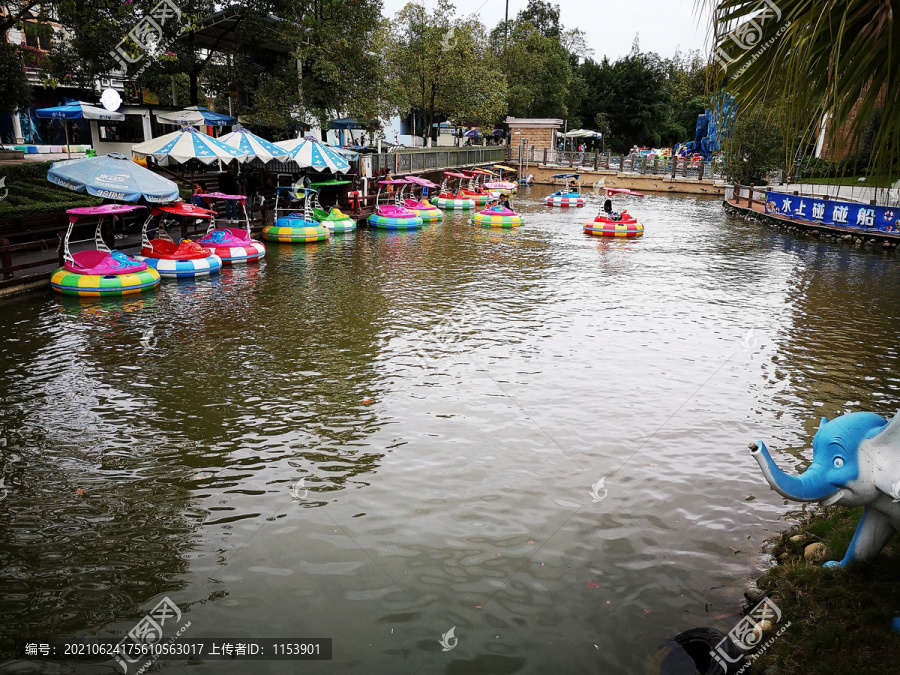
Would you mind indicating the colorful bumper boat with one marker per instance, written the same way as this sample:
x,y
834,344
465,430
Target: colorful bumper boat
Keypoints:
x,y
333,219
423,208
100,271
569,195
450,199
608,223
497,216
184,259
295,227
475,190
232,244
391,216
504,187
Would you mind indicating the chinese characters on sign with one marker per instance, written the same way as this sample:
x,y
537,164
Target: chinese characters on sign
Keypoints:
x,y
829,212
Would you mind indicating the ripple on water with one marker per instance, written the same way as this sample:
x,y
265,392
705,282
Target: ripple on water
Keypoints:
x,y
450,397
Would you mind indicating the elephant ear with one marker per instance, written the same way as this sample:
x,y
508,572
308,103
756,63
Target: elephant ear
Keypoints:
x,y
823,422
889,434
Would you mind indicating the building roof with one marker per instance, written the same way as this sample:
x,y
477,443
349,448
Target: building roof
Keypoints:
x,y
534,122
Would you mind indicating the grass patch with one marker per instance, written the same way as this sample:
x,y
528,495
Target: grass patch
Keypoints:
x,y
840,618
31,194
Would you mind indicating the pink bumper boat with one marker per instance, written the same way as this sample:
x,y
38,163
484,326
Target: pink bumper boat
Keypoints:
x,y
100,271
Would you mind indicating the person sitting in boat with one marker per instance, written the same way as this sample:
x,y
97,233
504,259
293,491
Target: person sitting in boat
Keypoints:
x,y
504,202
607,208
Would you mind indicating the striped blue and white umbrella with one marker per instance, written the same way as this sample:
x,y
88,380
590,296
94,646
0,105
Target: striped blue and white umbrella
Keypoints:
x,y
253,146
185,144
311,153
197,116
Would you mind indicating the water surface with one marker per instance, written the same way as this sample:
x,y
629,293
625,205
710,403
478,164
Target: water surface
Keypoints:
x,y
451,398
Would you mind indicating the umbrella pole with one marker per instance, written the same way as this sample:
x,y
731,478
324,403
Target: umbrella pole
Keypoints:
x,y
68,149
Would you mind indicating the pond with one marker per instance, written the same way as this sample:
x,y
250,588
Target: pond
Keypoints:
x,y
533,437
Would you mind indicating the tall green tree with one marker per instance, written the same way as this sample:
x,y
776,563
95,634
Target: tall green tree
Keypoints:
x,y
444,67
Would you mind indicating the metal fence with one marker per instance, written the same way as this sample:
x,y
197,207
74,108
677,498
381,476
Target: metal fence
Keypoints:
x,y
415,160
424,160
684,167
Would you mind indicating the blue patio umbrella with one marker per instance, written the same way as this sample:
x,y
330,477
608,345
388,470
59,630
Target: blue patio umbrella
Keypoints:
x,y
195,115
78,110
112,176
473,133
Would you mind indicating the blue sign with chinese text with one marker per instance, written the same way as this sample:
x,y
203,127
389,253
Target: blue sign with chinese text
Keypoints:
x,y
850,215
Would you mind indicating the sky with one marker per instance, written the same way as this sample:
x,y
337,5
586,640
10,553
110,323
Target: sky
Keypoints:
x,y
663,25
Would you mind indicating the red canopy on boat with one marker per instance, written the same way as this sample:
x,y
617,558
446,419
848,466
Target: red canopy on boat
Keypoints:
x,y
622,191
455,175
183,209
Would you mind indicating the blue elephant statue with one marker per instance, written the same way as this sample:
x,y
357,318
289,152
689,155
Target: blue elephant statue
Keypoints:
x,y
856,462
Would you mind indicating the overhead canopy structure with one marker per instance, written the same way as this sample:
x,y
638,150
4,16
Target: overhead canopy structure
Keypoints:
x,y
196,116
184,144
254,146
78,110
112,176
311,153
346,123
583,133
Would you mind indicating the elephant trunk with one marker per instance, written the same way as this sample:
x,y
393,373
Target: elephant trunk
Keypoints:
x,y
810,486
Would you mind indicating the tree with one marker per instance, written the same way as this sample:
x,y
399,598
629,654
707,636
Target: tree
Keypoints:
x,y
538,74
835,58
444,67
632,95
543,16
14,90
754,148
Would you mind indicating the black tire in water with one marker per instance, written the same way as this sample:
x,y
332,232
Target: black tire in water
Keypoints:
x,y
690,653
